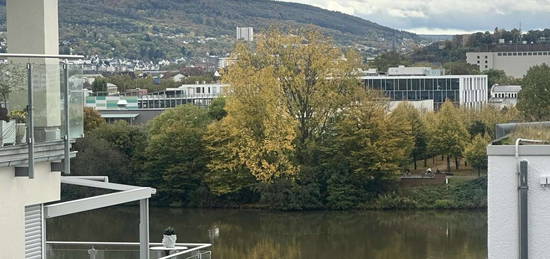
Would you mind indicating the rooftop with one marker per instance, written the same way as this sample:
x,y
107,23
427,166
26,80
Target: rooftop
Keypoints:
x,y
506,88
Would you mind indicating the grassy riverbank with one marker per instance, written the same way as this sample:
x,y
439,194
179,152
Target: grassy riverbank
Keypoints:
x,y
457,195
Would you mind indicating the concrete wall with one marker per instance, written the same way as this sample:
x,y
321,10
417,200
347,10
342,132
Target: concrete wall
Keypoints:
x,y
516,66
15,194
503,201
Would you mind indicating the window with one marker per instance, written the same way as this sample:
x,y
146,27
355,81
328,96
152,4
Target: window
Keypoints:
x,y
478,61
477,57
486,62
530,53
515,54
500,54
486,66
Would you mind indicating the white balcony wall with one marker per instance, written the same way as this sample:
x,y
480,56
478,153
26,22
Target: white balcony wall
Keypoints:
x,y
15,194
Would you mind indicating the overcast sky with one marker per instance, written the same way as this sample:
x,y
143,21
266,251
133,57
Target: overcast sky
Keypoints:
x,y
445,16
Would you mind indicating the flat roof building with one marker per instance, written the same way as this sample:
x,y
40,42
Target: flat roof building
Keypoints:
x,y
504,95
514,60
469,91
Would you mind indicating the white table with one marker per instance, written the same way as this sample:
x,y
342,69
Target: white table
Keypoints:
x,y
168,251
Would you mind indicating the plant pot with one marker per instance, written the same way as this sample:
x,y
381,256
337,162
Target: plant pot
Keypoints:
x,y
169,241
21,133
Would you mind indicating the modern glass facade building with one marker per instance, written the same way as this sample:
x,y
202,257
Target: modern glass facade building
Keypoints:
x,y
465,90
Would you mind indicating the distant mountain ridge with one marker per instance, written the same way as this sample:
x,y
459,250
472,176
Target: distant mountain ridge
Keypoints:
x,y
151,28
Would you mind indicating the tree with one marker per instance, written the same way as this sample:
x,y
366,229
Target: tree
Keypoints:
x,y
390,59
409,114
371,145
113,150
283,95
534,98
92,119
176,154
12,78
476,152
216,110
496,77
460,68
99,86
449,134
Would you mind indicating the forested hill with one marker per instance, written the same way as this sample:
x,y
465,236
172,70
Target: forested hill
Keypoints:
x,y
159,28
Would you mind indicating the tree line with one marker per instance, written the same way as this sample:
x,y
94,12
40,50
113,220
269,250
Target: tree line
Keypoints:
x,y
296,131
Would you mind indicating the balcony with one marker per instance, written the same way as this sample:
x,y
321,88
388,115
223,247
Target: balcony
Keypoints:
x,y
41,110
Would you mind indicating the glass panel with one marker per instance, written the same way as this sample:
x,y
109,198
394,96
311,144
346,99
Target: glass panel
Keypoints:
x,y
76,101
13,103
47,105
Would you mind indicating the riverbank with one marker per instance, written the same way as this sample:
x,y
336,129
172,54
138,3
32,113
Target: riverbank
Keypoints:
x,y
470,194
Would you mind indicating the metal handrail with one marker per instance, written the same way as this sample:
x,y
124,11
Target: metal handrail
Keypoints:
x,y
17,55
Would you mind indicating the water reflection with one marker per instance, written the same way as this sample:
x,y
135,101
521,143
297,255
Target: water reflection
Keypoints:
x,y
238,234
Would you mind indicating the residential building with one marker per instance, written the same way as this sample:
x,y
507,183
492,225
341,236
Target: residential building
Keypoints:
x,y
112,89
469,91
197,94
504,95
245,33
36,162
514,60
225,62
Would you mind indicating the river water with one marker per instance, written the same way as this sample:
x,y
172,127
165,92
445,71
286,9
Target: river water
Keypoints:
x,y
243,234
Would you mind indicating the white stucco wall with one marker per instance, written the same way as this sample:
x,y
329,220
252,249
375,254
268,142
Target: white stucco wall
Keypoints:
x,y
15,194
503,202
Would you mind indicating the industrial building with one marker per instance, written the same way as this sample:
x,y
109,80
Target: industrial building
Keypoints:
x,y
514,60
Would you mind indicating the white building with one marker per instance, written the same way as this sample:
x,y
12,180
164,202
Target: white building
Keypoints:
x,y
33,168
245,33
469,91
504,95
414,71
514,60
518,207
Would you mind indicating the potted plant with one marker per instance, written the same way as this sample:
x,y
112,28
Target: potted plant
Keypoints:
x,y
12,77
169,237
20,118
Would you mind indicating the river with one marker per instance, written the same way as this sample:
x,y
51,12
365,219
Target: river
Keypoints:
x,y
243,234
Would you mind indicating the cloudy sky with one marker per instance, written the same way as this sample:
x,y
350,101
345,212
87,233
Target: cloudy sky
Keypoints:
x,y
445,16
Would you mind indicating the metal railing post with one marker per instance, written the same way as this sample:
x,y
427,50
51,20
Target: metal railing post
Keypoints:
x,y
67,159
144,229
30,121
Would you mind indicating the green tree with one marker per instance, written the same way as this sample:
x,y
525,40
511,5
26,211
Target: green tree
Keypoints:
x,y
390,59
99,86
476,153
113,150
216,110
369,147
449,135
534,98
460,68
176,155
496,77
411,116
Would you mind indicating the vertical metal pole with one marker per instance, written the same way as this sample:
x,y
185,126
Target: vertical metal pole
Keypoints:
x,y
67,160
30,121
523,213
144,229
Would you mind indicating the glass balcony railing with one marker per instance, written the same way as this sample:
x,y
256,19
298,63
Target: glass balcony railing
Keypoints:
x,y
121,250
41,103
